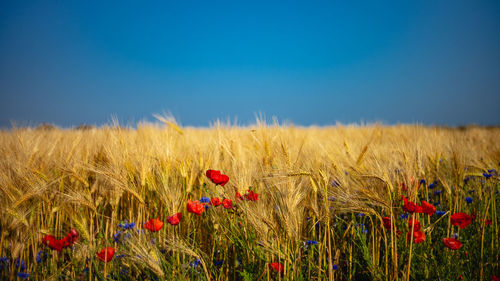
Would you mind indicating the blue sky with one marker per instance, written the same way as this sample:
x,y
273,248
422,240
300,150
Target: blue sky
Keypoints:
x,y
306,62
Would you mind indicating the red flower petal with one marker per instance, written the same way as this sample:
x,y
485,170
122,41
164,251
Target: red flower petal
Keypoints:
x,y
175,219
106,254
153,225
227,203
278,267
452,243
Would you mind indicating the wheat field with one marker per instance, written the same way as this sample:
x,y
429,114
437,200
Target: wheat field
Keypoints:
x,y
322,195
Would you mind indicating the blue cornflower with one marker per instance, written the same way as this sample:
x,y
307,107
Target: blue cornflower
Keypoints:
x,y
4,262
207,207
41,256
218,262
204,200
23,275
404,216
437,192
422,182
455,235
486,175
468,200
493,172
195,264
335,267
20,264
440,213
311,242
131,225
117,236
437,203
433,184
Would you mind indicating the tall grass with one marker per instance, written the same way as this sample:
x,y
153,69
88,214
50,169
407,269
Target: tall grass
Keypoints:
x,y
329,185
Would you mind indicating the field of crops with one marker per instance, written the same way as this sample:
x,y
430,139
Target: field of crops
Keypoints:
x,y
265,202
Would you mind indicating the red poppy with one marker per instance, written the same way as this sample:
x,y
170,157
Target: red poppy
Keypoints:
x,y
175,219
52,243
461,219
411,207
418,236
195,207
58,245
215,201
278,267
415,223
106,254
488,222
452,243
428,208
387,222
252,196
216,177
227,203
153,225
495,278
238,196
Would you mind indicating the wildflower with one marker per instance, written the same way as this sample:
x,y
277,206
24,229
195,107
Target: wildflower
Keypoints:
x,y
195,264
440,213
40,256
488,222
153,225
487,176
216,177
404,216
125,225
175,219
227,203
455,235
252,196
195,207
494,277
218,262
311,242
278,267
117,236
106,254
437,192
415,224
20,264
4,262
433,185
23,275
418,236
427,208
238,196
411,207
437,203
215,201
204,200
207,207
422,182
452,243
462,220
387,222
468,200
335,267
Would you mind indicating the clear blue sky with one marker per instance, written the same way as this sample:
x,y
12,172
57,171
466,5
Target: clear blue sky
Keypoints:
x,y
308,62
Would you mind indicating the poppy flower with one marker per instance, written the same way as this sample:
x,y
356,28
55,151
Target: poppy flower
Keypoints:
x,y
495,278
195,207
411,207
106,254
387,222
153,225
488,222
175,219
462,220
215,201
428,208
238,196
278,267
252,196
415,224
452,243
58,245
227,203
216,177
418,236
